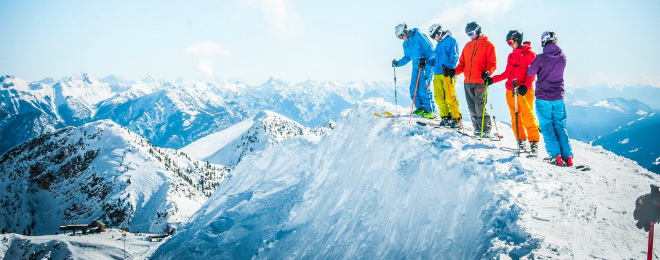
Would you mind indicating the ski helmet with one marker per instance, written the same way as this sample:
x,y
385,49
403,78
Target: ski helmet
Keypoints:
x,y
473,27
401,30
548,37
514,36
436,30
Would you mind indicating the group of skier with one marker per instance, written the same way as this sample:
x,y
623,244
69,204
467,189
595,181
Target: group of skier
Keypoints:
x,y
477,62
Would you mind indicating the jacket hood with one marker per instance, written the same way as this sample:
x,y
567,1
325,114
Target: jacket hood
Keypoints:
x,y
447,34
413,32
482,38
552,50
526,48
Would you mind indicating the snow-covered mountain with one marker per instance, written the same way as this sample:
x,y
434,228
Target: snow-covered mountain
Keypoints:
x,y
644,93
228,147
100,171
170,115
638,140
587,121
625,127
385,189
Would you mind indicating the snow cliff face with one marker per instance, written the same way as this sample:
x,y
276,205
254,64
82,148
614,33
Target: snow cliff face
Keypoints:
x,y
253,135
386,189
100,171
170,115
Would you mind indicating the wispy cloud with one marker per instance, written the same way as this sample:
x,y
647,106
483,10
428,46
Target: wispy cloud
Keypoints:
x,y
458,16
206,50
282,15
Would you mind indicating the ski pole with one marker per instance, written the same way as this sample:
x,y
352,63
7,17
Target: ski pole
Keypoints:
x,y
414,96
452,103
453,80
654,216
515,102
650,250
530,110
396,103
428,90
483,114
495,121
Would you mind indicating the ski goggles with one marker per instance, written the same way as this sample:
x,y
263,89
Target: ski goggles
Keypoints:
x,y
510,42
472,33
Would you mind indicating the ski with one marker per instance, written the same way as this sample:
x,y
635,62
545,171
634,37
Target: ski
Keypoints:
x,y
477,137
583,168
441,127
508,149
383,116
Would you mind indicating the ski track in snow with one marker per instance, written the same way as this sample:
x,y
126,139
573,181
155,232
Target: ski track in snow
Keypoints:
x,y
385,189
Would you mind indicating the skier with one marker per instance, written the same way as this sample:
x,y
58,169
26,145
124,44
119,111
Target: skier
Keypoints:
x,y
478,61
550,107
418,49
516,68
444,64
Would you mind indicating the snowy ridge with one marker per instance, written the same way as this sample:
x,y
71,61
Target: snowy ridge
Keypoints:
x,y
100,171
255,134
385,189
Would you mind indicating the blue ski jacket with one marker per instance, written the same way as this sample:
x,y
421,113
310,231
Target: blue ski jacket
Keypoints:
x,y
446,53
417,46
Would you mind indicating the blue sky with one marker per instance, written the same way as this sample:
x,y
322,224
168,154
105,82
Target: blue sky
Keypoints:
x,y
607,42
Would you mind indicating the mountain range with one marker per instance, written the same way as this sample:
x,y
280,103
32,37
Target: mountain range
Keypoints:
x,y
170,115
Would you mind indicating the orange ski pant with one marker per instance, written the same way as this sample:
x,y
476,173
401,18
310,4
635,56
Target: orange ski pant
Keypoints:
x,y
529,130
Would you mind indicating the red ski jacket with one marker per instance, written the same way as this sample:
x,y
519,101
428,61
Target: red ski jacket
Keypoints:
x,y
516,67
477,56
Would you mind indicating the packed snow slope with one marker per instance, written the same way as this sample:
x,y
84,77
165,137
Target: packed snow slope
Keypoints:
x,y
106,245
100,171
377,188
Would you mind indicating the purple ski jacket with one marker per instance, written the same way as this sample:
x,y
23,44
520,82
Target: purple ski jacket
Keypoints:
x,y
549,66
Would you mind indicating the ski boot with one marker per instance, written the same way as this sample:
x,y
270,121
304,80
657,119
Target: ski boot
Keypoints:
x,y
534,148
554,161
569,161
418,111
521,145
453,123
485,135
443,121
428,115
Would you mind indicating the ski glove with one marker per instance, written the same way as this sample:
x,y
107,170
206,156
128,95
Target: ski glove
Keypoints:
x,y
448,72
647,209
395,63
522,90
486,77
422,62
